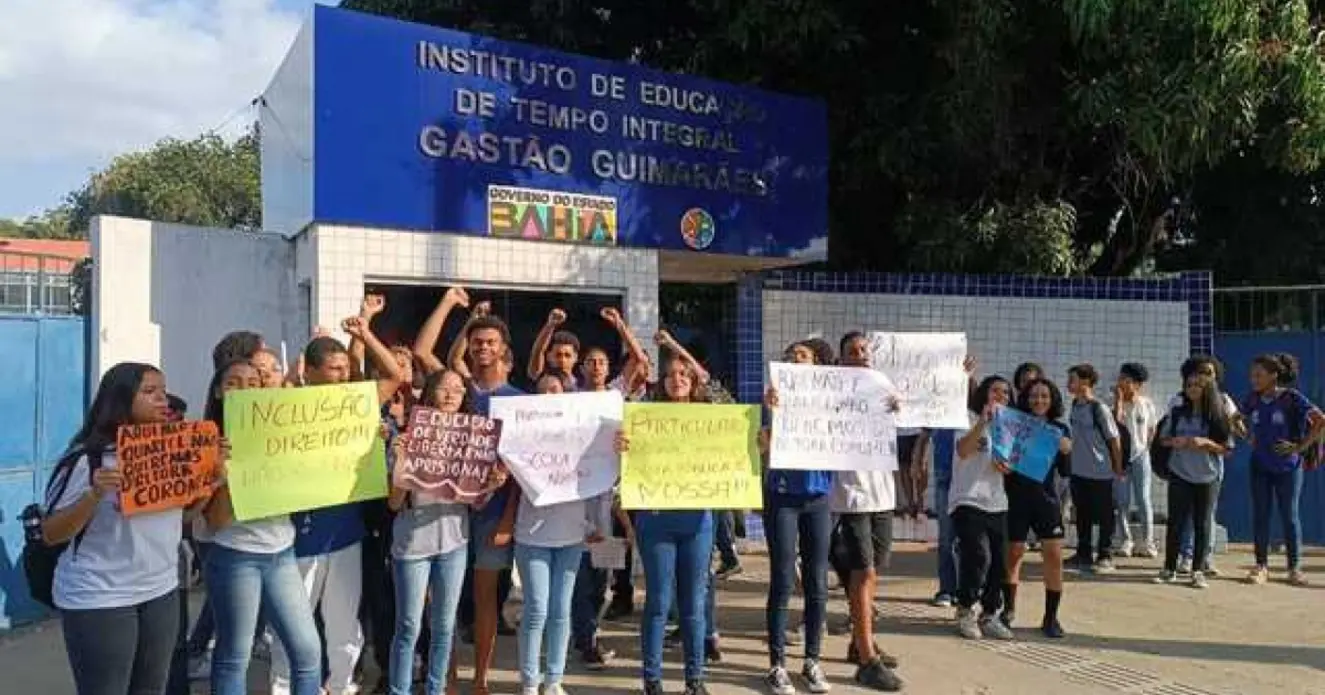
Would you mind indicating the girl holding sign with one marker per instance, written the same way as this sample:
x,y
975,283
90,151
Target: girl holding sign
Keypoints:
x,y
1035,506
979,509
251,565
676,547
115,583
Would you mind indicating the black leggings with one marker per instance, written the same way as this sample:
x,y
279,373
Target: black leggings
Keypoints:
x,y
981,557
122,651
1188,503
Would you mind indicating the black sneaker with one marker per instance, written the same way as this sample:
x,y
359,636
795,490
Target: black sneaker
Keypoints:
x,y
1052,629
672,640
712,654
618,610
1078,562
728,571
876,676
596,658
853,657
653,688
504,628
696,688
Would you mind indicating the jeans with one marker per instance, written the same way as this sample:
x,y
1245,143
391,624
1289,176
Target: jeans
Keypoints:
x,y
590,594
1188,503
725,537
947,535
1135,487
239,583
122,651
982,551
797,530
1095,507
1186,536
443,575
675,548
548,578
1285,489
204,627
333,584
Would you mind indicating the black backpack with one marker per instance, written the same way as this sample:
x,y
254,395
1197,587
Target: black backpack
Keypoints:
x,y
1159,454
39,559
1124,434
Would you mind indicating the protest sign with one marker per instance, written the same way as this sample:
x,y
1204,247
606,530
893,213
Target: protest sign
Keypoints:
x,y
448,456
832,419
691,456
1024,442
166,465
561,447
927,370
297,449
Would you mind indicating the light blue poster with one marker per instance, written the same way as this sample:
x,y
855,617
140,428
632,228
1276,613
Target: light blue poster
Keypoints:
x,y
1026,443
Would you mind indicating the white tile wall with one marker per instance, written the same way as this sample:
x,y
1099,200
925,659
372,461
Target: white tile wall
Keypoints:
x,y
1002,331
342,259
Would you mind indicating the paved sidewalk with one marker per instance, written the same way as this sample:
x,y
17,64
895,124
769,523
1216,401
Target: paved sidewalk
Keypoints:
x,y
1126,636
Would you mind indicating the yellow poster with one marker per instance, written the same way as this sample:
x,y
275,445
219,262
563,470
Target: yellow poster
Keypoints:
x,y
691,456
297,449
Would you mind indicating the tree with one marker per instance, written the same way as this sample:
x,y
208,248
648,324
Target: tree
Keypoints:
x,y
986,135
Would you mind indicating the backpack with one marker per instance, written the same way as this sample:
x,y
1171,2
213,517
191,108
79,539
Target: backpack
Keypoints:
x,y
1287,399
39,559
1159,454
1124,434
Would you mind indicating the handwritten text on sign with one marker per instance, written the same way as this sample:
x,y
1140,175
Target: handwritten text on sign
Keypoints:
x,y
1026,443
561,447
691,456
297,449
927,370
166,465
832,419
449,456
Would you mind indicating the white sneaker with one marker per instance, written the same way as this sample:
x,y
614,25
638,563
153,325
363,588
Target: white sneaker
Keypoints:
x,y
1184,565
1165,577
1125,550
779,682
1198,581
529,690
554,689
993,628
1148,551
967,626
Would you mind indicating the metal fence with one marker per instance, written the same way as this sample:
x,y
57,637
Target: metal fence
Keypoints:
x,y
36,283
1269,309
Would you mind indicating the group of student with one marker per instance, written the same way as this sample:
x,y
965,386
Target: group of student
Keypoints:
x,y
316,581
1102,467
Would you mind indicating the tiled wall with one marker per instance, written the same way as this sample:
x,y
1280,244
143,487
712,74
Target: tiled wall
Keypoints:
x,y
344,258
1007,319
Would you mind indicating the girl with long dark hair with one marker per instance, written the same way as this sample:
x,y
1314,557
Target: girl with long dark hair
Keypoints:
x,y
250,566
1034,505
116,582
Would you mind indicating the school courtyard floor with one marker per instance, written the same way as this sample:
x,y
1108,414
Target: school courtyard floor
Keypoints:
x,y
1126,636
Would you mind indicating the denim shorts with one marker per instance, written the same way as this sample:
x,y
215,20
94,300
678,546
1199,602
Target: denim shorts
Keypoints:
x,y
485,555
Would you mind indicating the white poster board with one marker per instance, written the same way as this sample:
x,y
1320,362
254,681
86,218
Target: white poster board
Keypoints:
x,y
927,370
832,419
561,447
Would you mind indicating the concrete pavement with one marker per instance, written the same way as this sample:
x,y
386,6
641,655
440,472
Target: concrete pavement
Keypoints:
x,y
1126,635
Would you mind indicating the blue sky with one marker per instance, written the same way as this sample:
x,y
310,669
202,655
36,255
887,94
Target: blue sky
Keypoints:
x,y
85,80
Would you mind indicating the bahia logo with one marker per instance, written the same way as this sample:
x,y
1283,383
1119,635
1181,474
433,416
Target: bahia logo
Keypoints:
x,y
698,229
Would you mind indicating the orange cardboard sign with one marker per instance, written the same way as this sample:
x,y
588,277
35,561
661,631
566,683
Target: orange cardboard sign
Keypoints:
x,y
166,465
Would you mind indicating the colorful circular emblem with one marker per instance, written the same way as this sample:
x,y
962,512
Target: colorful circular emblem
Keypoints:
x,y
697,228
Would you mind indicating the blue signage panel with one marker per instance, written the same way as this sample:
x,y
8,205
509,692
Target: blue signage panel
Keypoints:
x,y
423,128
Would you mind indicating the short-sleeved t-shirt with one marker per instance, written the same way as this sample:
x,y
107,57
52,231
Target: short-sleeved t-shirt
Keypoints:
x,y
260,536
1090,447
429,530
120,561
1192,465
563,524
863,492
1268,421
975,481
482,399
1140,417
1230,408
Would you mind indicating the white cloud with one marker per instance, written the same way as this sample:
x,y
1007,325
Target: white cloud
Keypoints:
x,y
84,80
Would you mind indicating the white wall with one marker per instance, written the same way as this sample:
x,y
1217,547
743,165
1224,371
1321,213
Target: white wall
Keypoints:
x,y
343,259
1002,331
164,294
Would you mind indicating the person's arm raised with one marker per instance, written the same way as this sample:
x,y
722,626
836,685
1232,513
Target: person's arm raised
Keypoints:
x,y
456,358
537,358
425,345
369,308
391,376
665,340
636,358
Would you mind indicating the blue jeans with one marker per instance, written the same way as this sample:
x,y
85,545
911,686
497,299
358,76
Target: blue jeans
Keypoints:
x,y
548,578
1188,535
675,548
590,594
444,575
804,524
1285,489
1136,488
204,627
725,537
947,556
239,583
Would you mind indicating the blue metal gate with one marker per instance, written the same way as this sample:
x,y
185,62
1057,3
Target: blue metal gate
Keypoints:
x,y
41,403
